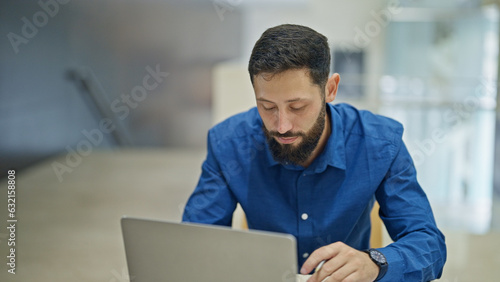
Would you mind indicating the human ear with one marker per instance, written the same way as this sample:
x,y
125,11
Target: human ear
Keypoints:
x,y
331,87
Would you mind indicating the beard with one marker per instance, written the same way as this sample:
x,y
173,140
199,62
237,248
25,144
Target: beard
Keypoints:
x,y
298,154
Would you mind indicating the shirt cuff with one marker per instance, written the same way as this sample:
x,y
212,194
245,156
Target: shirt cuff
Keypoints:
x,y
396,264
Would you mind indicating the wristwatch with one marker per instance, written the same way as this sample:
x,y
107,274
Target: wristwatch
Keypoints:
x,y
379,259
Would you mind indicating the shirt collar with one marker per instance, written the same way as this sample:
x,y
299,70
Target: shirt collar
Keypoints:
x,y
334,152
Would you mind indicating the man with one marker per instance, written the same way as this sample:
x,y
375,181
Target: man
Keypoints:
x,y
302,166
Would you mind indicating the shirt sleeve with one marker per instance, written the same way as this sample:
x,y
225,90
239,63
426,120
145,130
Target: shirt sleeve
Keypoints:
x,y
212,202
419,251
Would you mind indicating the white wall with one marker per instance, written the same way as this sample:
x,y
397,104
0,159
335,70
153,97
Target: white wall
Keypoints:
x,y
352,24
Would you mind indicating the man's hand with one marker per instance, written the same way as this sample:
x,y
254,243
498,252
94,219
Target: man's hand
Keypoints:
x,y
343,263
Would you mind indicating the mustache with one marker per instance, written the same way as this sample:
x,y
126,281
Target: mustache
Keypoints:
x,y
286,135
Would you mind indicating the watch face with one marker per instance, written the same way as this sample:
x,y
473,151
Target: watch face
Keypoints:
x,y
378,256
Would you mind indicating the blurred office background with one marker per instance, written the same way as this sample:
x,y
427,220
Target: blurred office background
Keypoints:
x,y
81,78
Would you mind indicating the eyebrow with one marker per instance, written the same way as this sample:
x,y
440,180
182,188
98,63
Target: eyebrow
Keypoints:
x,y
287,101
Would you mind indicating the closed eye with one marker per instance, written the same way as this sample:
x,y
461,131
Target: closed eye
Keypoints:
x,y
297,109
268,109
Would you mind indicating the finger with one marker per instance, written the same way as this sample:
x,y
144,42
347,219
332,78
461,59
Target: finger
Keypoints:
x,y
329,268
340,274
354,276
311,263
323,253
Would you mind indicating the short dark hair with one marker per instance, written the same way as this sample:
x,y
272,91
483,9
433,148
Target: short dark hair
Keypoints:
x,y
290,46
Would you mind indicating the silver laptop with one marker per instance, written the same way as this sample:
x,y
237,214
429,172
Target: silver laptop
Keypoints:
x,y
170,251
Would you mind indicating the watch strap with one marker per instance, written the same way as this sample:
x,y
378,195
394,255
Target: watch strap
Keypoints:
x,y
382,264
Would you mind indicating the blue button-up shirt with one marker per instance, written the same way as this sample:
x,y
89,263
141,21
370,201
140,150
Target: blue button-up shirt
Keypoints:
x,y
330,200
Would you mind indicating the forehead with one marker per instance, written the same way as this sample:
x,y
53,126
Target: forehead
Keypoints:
x,y
289,85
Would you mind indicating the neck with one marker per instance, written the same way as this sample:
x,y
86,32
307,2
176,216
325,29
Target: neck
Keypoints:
x,y
322,141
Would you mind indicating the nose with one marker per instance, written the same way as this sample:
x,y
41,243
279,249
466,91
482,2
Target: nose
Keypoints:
x,y
284,123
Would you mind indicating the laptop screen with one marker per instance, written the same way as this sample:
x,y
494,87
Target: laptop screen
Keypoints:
x,y
171,251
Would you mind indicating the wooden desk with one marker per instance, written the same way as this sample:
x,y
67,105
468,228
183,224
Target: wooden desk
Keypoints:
x,y
70,230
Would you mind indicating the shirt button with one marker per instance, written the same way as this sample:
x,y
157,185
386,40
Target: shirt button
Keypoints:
x,y
304,216
305,255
